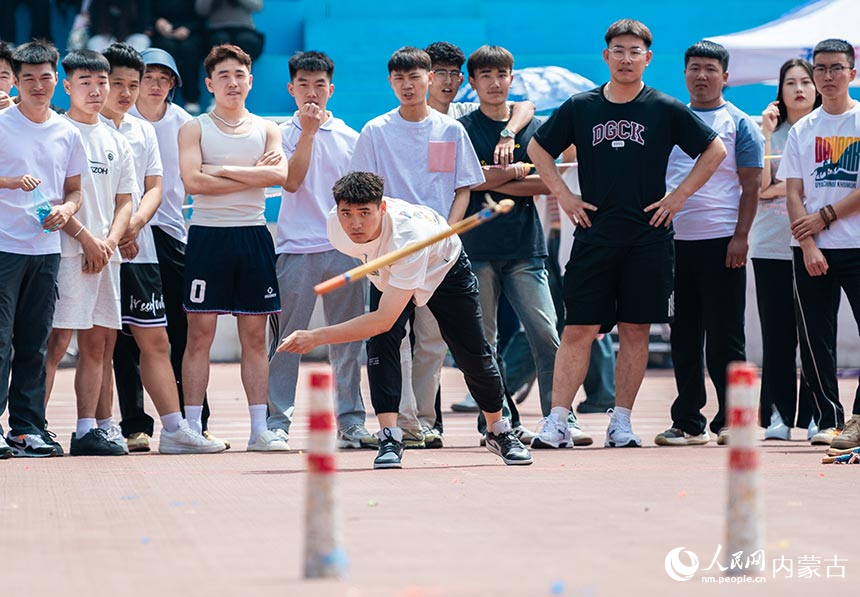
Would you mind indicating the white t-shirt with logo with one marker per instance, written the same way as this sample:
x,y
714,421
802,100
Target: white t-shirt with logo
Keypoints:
x,y
712,211
422,162
144,147
169,216
302,218
823,150
111,173
403,224
52,151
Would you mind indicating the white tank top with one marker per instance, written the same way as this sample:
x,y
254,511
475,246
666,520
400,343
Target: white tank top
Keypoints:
x,y
243,208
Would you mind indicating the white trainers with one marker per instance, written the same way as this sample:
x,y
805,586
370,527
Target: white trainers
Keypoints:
x,y
524,434
114,434
812,430
577,435
553,432
620,434
270,440
187,441
777,428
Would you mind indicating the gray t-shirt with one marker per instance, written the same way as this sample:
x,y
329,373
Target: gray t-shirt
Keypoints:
x,y
771,231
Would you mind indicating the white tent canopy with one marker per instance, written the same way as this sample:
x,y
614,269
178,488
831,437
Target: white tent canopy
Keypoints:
x,y
757,54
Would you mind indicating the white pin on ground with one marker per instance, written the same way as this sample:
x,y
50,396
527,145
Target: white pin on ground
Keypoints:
x,y
745,515
324,556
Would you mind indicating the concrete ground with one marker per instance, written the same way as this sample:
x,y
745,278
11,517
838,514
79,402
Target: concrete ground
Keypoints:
x,y
582,522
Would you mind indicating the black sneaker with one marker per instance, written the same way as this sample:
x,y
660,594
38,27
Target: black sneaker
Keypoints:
x,y
508,447
95,443
29,446
390,452
5,450
50,438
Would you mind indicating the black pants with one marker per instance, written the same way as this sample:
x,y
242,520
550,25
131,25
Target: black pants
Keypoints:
x,y
817,308
709,315
187,53
28,294
774,284
457,310
126,356
248,39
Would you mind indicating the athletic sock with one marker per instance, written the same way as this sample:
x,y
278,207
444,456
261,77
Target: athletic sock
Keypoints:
x,y
84,426
560,412
194,416
171,421
104,423
501,426
396,433
259,412
621,412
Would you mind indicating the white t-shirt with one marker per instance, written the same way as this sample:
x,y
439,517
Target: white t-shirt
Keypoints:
x,y
302,218
770,236
169,216
422,162
712,211
823,150
51,151
403,224
111,173
457,110
144,147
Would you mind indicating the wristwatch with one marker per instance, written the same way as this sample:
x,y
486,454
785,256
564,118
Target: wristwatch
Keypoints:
x,y
507,133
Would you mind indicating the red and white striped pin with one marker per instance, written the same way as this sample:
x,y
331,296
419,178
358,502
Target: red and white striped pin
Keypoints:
x,y
745,515
324,556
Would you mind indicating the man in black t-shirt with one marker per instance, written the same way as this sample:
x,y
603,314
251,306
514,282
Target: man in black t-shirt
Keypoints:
x,y
508,257
621,265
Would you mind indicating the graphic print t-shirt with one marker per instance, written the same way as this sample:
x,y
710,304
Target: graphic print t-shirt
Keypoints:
x,y
823,150
623,150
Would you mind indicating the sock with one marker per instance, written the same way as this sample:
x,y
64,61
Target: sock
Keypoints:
x,y
621,412
105,423
194,416
560,412
501,426
396,433
258,419
84,426
171,421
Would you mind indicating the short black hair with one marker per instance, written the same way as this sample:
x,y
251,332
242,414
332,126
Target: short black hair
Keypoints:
x,y
358,188
629,27
408,58
708,49
123,55
37,51
837,46
312,61
87,60
443,52
5,53
489,57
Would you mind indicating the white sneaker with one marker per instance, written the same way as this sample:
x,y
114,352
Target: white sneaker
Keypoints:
x,y
524,434
812,430
187,441
553,432
270,441
114,435
577,435
777,428
620,434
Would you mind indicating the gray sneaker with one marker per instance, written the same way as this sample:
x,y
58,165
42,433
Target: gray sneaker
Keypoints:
x,y
432,437
413,439
355,436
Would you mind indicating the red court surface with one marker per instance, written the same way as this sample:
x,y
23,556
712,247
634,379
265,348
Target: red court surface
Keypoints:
x,y
582,522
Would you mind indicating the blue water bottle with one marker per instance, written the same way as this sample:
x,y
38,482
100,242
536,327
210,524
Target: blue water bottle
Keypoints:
x,y
43,208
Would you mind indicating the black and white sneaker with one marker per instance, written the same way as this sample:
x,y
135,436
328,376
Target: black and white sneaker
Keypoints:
x,y
50,438
30,445
508,447
94,443
5,450
390,451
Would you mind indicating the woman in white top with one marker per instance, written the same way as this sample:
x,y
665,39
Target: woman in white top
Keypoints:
x,y
771,256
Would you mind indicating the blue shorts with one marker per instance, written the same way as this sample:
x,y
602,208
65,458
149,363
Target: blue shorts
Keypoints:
x,y
230,270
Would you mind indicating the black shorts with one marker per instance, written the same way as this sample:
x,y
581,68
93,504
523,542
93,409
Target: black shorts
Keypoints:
x,y
605,285
141,296
230,270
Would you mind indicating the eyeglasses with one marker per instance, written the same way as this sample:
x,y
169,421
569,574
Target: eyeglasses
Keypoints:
x,y
447,74
619,53
833,69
